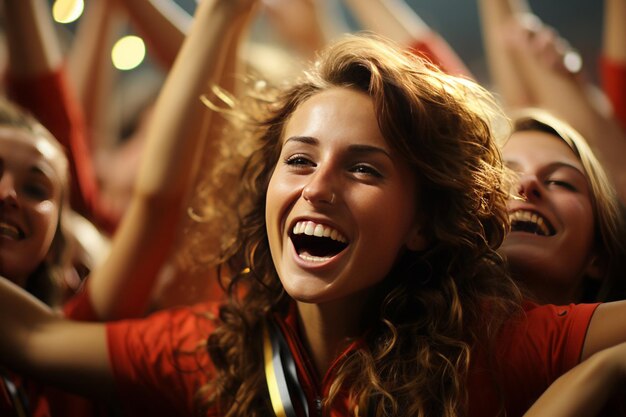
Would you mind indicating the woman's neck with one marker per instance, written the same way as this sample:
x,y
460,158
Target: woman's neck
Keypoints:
x,y
543,290
327,328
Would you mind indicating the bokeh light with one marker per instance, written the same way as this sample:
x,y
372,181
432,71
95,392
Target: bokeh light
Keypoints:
x,y
128,52
67,11
572,61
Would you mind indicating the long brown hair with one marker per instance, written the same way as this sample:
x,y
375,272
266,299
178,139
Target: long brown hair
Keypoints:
x,y
433,307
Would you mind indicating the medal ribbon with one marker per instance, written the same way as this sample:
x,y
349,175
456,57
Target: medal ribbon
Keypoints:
x,y
15,394
280,373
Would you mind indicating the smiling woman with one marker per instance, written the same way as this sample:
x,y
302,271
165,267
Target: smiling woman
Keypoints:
x,y
348,152
365,278
337,172
33,177
567,239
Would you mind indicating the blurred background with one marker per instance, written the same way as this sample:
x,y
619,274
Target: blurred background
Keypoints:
x,y
578,21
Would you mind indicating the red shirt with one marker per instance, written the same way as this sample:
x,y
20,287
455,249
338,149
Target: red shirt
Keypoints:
x,y
158,366
531,353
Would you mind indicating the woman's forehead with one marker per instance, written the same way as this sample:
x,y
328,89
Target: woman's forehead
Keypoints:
x,y
336,112
37,147
538,143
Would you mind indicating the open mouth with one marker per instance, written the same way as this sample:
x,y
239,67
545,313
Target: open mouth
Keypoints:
x,y
530,222
316,242
10,231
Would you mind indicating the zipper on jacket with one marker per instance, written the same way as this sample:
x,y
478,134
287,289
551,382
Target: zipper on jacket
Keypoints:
x,y
318,407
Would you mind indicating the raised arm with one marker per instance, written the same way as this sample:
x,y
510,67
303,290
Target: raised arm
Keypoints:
x,y
162,23
585,389
613,64
398,21
567,98
175,140
614,37
306,25
91,71
37,343
33,47
527,66
181,283
37,81
40,344
497,18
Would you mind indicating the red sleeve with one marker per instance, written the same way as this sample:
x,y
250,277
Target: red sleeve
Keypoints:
x,y
160,362
529,354
62,403
558,332
49,98
434,48
613,75
539,348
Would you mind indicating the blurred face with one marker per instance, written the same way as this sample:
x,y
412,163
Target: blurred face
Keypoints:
x,y
550,246
30,194
341,205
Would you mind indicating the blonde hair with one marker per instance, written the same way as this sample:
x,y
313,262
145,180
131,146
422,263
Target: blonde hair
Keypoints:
x,y
44,281
609,224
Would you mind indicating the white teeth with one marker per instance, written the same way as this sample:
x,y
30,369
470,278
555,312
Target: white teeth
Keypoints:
x,y
315,229
313,258
9,230
532,217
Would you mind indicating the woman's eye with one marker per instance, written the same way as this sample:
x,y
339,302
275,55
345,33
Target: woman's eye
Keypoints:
x,y
366,170
299,161
36,191
561,183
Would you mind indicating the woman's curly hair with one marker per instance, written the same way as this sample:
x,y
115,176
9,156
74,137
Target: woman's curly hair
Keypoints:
x,y
437,304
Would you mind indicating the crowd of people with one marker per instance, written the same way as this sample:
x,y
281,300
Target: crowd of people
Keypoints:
x,y
338,224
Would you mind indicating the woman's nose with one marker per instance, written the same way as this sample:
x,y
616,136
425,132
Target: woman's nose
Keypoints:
x,y
320,188
8,194
529,187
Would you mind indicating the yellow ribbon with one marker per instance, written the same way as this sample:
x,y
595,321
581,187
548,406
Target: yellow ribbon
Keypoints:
x,y
270,375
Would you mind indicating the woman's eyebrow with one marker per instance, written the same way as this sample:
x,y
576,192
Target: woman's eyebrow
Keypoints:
x,y
553,166
557,165
310,140
356,148
42,170
368,149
